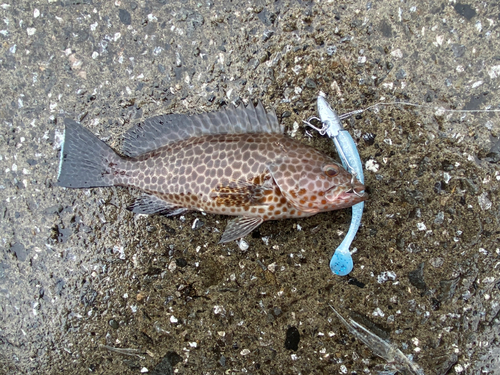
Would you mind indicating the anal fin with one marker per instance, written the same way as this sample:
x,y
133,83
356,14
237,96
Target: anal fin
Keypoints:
x,y
240,227
151,204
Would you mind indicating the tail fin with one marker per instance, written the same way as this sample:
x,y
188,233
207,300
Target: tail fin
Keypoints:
x,y
86,161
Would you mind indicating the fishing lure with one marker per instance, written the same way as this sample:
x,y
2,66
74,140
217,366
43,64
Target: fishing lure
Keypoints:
x,y
341,263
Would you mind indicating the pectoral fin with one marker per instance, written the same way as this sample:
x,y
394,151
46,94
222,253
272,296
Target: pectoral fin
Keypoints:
x,y
240,227
242,193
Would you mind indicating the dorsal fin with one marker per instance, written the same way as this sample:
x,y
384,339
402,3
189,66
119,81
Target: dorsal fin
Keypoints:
x,y
162,130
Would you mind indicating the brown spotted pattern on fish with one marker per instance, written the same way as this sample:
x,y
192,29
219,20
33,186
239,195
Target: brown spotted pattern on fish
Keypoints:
x,y
236,162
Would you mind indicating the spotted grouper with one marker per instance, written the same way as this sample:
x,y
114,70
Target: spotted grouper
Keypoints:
x,y
234,162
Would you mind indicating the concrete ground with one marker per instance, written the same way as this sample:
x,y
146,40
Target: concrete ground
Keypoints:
x,y
86,287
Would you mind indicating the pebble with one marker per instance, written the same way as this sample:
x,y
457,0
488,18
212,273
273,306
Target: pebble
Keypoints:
x,y
378,312
243,245
181,262
172,266
484,202
330,50
20,251
436,262
439,218
416,278
292,338
372,165
197,224
218,309
385,276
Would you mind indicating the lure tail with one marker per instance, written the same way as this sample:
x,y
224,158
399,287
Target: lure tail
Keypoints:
x,y
86,161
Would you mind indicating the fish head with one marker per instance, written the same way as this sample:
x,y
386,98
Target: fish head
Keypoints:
x,y
317,184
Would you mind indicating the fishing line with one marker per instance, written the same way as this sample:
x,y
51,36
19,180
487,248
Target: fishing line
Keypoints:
x,y
439,110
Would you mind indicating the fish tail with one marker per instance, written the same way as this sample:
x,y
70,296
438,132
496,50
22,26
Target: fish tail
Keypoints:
x,y
86,161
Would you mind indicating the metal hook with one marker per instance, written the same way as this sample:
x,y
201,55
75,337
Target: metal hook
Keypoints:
x,y
321,130
352,186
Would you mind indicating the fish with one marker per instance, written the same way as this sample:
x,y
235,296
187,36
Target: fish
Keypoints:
x,y
236,162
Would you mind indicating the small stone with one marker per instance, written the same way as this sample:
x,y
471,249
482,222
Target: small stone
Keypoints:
x,y
458,50
20,251
484,202
413,248
401,74
113,324
397,54
267,34
197,224
243,245
310,83
330,50
372,166
416,278
436,262
125,17
468,12
181,262
218,309
369,138
292,338
439,218
245,352
378,312
447,289
385,276
222,361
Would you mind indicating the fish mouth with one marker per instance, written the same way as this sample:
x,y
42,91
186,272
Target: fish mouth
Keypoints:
x,y
357,189
356,193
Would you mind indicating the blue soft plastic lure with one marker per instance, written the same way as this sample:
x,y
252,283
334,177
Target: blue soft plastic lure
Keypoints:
x,y
341,262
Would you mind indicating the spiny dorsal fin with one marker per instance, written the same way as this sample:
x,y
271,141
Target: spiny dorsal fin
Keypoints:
x,y
162,130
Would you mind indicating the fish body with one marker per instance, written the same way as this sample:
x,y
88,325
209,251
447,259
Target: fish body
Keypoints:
x,y
236,162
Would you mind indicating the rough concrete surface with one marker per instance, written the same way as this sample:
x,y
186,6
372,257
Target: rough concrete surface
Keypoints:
x,y
87,287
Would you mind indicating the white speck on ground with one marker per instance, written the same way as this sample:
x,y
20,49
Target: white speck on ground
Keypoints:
x,y
484,202
385,276
494,71
372,166
378,312
397,54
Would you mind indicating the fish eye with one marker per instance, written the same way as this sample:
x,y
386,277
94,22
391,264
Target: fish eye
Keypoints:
x,y
331,170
